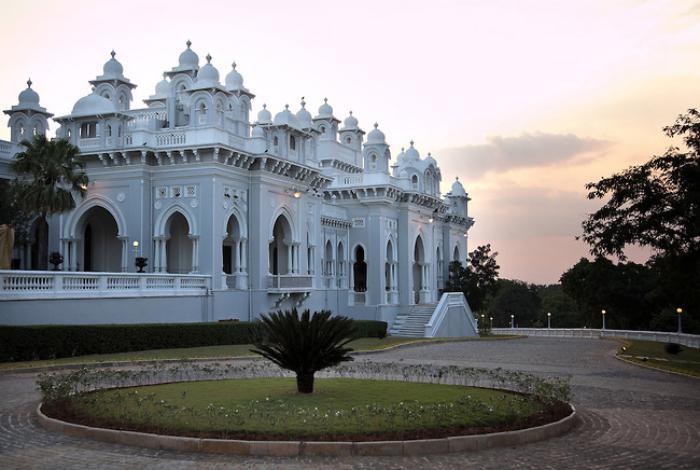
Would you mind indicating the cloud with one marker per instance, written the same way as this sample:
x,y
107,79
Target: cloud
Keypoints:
x,y
500,153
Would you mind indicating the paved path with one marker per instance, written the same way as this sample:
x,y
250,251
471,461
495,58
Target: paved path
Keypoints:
x,y
631,418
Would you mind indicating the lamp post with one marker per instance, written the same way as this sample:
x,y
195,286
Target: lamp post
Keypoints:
x,y
549,319
603,312
491,323
679,311
512,321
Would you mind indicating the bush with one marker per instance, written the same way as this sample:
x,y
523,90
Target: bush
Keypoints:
x,y
26,343
673,348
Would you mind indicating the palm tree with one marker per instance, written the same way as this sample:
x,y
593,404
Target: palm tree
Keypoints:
x,y
48,172
305,344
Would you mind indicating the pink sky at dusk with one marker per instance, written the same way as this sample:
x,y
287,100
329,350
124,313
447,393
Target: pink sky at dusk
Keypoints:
x,y
525,101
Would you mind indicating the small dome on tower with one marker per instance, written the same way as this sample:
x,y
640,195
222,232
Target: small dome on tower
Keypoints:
x,y
264,116
376,136
350,122
208,75
113,68
325,110
28,96
286,118
458,189
412,155
304,116
163,87
430,160
258,131
234,80
188,58
92,105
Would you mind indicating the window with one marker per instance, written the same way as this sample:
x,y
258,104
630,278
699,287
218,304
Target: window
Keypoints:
x,y
292,142
275,141
348,141
202,113
323,129
414,182
88,130
109,131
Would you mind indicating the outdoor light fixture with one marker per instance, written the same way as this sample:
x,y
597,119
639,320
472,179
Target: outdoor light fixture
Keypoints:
x,y
603,312
549,319
296,194
136,244
679,311
431,220
512,321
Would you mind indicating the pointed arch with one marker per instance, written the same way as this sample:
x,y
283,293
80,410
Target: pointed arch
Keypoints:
x,y
96,200
159,228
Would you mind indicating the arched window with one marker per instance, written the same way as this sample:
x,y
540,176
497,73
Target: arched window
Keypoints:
x,y
348,141
275,142
359,270
202,110
292,143
414,182
323,129
109,130
373,162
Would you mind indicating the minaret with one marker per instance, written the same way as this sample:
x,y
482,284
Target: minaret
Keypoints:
x,y
376,152
27,118
351,134
113,85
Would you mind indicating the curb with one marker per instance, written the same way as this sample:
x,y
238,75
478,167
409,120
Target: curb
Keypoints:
x,y
313,448
650,367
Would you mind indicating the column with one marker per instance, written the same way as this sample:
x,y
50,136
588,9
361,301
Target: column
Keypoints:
x,y
125,253
73,254
236,262
163,255
244,255
289,258
195,252
156,255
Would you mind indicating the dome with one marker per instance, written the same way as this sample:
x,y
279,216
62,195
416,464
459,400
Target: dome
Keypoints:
x,y
258,131
400,156
350,122
430,160
264,116
412,154
91,105
234,80
304,116
286,118
28,96
375,136
188,58
458,189
325,110
208,75
163,87
113,68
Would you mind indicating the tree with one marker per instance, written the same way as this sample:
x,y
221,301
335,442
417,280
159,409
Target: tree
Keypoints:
x,y
304,344
478,280
514,298
49,172
656,204
564,310
12,212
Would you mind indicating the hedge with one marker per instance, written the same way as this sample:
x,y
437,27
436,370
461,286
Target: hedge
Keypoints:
x,y
25,343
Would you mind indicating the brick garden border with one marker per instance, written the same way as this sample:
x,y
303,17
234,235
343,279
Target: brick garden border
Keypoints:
x,y
311,448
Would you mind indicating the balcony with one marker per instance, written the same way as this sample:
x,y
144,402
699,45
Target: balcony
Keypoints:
x,y
289,283
21,285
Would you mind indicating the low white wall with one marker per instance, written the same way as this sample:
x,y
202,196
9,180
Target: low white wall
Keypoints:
x,y
685,339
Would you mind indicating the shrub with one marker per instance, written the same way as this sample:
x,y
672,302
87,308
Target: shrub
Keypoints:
x,y
305,343
370,328
673,348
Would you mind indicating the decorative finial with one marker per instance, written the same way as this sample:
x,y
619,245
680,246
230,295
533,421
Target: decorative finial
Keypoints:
x,y
29,83
189,43
325,100
457,178
412,143
350,113
403,148
264,106
234,65
112,53
165,74
430,154
286,107
208,58
376,125
303,103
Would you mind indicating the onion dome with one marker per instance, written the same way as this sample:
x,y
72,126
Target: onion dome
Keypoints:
x,y
375,136
163,87
350,122
286,118
234,80
113,68
28,97
208,75
92,105
458,189
264,116
258,131
430,160
412,154
188,58
401,155
304,116
325,110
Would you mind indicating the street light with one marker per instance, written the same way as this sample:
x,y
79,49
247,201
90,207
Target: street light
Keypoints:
x,y
491,323
679,311
512,321
603,312
549,319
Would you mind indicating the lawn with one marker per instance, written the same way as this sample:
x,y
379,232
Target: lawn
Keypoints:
x,y
215,352
270,408
653,354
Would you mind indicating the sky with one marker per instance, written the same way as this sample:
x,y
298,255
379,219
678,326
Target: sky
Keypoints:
x,y
525,101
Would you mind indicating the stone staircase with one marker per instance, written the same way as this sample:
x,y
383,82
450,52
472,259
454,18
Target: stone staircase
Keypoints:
x,y
412,323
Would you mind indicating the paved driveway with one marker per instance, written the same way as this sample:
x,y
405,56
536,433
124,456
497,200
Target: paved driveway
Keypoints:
x,y
631,418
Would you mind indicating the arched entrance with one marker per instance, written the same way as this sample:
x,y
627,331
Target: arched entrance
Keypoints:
x,y
178,248
328,258
455,254
280,249
233,248
418,269
359,271
340,262
101,248
390,273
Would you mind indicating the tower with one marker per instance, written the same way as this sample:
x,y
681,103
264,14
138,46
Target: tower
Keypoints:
x,y
27,118
376,152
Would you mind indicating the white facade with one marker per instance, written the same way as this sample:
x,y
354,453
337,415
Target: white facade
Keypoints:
x,y
290,210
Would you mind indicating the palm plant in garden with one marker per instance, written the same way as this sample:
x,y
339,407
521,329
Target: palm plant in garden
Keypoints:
x,y
49,172
304,343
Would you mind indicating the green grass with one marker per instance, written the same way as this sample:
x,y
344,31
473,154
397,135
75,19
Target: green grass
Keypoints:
x,y
270,407
216,352
686,362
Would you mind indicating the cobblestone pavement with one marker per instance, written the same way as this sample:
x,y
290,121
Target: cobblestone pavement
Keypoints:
x,y
630,418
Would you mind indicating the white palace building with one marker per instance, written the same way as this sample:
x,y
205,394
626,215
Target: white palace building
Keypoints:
x,y
236,216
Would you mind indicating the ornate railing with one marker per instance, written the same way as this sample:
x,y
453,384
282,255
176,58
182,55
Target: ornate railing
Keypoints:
x,y
657,336
289,282
17,285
